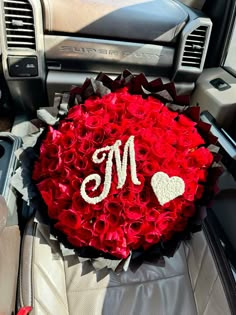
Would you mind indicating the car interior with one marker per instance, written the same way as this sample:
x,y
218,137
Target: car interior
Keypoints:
x,y
48,46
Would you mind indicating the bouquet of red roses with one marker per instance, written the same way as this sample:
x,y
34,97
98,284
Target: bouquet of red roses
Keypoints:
x,y
121,172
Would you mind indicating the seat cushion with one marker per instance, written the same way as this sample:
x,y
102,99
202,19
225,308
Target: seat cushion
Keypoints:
x,y
53,284
9,262
189,283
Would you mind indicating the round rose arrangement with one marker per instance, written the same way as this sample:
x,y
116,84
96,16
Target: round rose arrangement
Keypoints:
x,y
121,172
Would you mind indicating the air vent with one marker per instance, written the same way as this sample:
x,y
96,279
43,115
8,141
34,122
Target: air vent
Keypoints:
x,y
194,48
19,21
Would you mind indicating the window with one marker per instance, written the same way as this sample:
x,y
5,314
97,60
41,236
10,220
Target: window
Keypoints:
x,y
230,62
197,4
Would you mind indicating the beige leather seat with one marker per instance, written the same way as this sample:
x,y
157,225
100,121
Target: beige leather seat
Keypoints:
x,y
56,285
9,262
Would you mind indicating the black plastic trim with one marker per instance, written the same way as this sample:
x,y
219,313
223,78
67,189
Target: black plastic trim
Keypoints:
x,y
222,14
221,260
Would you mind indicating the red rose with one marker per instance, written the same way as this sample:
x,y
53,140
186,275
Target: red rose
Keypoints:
x,y
69,157
93,105
137,110
141,151
150,136
65,173
85,235
113,206
185,121
155,105
112,131
190,190
166,118
45,170
189,139
132,238
68,140
97,136
53,150
101,224
52,136
75,113
85,146
133,129
93,122
163,150
79,204
145,195
75,182
171,137
70,218
126,194
165,222
82,164
152,238
202,156
150,167
152,215
134,212
66,126
81,133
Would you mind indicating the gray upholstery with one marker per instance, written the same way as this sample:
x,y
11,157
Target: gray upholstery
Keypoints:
x,y
206,284
188,285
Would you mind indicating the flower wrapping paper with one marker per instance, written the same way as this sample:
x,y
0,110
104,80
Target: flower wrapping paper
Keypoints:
x,y
130,225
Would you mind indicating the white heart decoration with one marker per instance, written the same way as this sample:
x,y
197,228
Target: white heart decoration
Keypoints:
x,y
167,188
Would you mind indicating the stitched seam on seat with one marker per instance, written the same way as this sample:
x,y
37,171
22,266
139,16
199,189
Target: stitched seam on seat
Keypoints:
x,y
51,245
32,274
188,272
21,298
50,283
21,262
66,287
210,293
200,268
128,284
43,307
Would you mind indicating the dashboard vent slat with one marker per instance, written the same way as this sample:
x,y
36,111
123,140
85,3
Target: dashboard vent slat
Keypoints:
x,y
19,21
10,2
18,16
16,9
20,30
194,48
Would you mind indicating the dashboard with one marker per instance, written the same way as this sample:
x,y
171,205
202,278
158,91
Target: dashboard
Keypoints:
x,y
49,45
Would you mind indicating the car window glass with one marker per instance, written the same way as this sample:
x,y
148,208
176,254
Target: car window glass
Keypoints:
x,y
230,61
197,4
